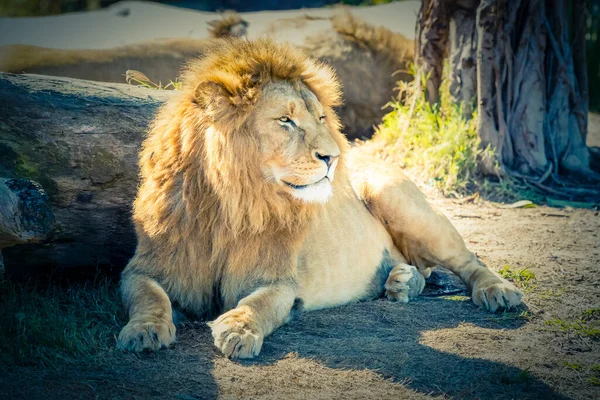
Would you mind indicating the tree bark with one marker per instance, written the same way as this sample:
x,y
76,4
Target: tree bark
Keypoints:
x,y
430,46
565,122
25,214
79,140
463,53
580,15
487,125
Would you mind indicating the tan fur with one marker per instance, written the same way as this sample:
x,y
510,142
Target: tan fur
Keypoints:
x,y
234,219
231,24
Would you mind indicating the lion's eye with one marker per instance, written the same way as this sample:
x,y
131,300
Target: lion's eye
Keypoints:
x,y
322,118
286,120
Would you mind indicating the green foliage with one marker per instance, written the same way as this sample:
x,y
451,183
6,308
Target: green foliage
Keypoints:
x,y
523,278
434,138
586,324
507,317
573,366
552,293
48,323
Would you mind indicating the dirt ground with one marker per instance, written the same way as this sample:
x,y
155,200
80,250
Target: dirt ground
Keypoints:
x,y
434,347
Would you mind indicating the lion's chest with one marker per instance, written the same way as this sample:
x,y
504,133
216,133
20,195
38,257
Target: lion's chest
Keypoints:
x,y
346,257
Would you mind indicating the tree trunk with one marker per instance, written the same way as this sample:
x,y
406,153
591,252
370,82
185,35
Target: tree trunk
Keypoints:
x,y
463,53
430,46
79,140
580,15
531,86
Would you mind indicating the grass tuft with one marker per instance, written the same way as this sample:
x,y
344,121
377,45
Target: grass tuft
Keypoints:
x,y
51,324
523,278
573,366
586,324
438,145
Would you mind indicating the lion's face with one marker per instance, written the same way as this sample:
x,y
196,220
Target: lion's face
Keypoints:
x,y
298,151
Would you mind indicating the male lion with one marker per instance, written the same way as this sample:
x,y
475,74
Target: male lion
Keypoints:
x,y
239,214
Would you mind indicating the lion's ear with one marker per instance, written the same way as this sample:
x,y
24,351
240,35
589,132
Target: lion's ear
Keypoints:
x,y
212,98
219,99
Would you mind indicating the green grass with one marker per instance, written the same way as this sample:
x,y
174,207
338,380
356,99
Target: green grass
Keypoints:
x,y
440,145
523,278
586,324
573,366
48,323
507,317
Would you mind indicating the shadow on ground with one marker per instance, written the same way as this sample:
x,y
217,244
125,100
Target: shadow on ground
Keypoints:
x,y
386,338
380,336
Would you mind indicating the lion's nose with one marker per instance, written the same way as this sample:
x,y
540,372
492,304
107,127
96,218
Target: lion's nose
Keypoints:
x,y
328,159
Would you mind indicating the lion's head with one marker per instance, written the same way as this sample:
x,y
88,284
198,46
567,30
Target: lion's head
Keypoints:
x,y
257,119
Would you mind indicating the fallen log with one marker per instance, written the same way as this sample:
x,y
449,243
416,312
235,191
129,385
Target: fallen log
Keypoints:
x,y
79,140
25,214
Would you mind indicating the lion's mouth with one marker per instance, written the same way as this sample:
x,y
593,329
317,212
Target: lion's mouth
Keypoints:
x,y
300,187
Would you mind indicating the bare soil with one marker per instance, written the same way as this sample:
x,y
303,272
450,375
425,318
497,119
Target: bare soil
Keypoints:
x,y
429,348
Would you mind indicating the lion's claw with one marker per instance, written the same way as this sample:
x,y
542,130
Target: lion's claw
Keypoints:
x,y
497,296
234,335
139,336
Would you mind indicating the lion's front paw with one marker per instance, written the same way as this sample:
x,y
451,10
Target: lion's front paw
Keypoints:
x,y
404,283
137,336
500,295
235,335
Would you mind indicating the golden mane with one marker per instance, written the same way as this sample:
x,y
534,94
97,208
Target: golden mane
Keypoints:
x,y
200,165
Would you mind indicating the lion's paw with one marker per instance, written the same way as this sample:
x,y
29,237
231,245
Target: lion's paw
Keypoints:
x,y
500,295
235,336
404,282
138,336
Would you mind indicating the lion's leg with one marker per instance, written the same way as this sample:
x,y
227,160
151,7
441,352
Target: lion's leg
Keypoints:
x,y
423,235
150,323
239,333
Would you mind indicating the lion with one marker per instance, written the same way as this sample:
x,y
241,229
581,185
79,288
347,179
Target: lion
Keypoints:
x,y
253,206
